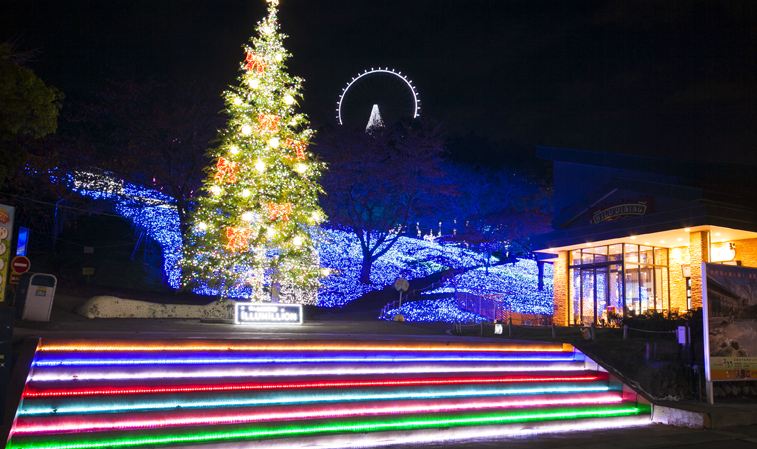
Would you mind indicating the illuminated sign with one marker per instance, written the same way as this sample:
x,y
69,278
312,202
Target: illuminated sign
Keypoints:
x,y
262,313
23,241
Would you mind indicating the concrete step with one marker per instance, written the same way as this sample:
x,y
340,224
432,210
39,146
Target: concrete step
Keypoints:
x,y
86,394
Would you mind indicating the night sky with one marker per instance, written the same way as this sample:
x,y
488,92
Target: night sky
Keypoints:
x,y
673,78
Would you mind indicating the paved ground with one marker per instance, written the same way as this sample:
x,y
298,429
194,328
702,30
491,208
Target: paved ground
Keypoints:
x,y
66,323
325,326
167,328
649,437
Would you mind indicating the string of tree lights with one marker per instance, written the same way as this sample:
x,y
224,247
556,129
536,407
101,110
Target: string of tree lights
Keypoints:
x,y
252,226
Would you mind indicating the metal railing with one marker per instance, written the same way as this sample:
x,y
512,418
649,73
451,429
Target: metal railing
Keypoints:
x,y
494,307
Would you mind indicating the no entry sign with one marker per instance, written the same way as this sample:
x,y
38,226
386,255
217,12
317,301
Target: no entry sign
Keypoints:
x,y
20,264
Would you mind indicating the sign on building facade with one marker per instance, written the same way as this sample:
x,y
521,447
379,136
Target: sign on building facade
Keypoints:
x,y
618,211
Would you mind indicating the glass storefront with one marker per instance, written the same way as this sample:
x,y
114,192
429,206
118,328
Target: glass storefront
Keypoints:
x,y
617,280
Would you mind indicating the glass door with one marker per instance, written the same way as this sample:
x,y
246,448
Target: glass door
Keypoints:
x,y
614,308
588,288
633,293
601,296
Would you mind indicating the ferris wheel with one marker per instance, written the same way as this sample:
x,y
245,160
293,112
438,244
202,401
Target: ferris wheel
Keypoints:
x,y
416,103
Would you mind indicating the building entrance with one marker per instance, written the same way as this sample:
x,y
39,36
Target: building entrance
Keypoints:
x,y
617,280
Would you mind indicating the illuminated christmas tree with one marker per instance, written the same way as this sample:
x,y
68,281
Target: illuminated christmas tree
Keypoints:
x,y
251,230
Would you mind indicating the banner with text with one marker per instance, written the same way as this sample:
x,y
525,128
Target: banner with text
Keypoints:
x,y
6,246
730,322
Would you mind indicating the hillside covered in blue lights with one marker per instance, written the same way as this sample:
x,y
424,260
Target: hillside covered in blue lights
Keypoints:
x,y
155,214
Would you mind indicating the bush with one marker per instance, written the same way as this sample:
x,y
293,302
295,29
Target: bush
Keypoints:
x,y
663,321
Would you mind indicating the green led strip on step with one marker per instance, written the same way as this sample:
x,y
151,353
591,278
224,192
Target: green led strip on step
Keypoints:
x,y
307,429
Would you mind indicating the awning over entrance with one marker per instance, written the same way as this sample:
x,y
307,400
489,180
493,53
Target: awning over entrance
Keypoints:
x,y
672,238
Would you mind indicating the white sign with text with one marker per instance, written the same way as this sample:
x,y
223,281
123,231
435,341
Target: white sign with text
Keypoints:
x,y
247,313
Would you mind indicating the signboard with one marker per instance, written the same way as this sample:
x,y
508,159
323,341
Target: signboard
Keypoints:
x,y
6,235
249,313
619,211
401,285
730,322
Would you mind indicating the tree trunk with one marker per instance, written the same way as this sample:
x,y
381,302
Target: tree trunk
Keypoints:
x,y
540,266
365,269
57,223
183,213
184,230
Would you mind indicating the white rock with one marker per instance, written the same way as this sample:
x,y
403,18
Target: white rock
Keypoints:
x,y
114,307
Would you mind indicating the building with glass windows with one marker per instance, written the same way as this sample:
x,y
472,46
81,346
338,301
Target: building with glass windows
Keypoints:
x,y
630,233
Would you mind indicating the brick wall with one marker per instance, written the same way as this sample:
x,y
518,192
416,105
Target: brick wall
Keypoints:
x,y
560,289
698,253
746,252
678,257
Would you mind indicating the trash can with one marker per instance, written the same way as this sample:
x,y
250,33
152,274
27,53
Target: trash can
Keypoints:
x,y
35,296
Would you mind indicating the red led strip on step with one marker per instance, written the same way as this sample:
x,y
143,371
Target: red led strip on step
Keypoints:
x,y
32,392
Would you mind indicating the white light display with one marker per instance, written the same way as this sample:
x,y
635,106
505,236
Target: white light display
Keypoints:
x,y
372,71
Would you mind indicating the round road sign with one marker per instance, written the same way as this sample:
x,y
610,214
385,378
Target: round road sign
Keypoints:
x,y
401,285
20,264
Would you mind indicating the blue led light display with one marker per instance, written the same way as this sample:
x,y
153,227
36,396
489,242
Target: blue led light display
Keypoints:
x,y
443,310
515,284
154,213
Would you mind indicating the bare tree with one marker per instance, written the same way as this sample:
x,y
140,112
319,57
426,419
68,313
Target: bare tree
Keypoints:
x,y
154,134
378,182
498,210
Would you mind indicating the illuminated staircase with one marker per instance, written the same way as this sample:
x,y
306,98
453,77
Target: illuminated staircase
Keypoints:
x,y
286,394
